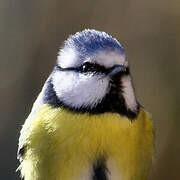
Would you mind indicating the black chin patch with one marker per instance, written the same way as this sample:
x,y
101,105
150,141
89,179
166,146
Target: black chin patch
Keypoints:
x,y
112,102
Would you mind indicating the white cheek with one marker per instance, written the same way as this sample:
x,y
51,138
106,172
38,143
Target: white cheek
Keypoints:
x,y
128,93
79,90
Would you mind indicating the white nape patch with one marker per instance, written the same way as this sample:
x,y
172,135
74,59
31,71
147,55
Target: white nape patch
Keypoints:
x,y
68,57
79,90
109,58
128,93
113,173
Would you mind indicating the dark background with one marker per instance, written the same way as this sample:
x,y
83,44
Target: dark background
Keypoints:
x,y
31,33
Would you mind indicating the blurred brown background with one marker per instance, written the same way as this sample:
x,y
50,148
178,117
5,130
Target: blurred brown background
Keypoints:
x,y
31,33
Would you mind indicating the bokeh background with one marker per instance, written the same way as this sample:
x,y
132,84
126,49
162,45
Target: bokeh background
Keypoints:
x,y
31,33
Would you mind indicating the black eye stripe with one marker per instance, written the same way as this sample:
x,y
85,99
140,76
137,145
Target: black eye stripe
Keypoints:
x,y
65,69
92,68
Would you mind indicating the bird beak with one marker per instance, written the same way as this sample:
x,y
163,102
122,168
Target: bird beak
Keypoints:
x,y
116,69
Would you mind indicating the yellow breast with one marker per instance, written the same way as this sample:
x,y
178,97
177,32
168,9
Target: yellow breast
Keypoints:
x,y
63,145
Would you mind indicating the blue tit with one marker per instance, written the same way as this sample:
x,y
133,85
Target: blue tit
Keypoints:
x,y
86,123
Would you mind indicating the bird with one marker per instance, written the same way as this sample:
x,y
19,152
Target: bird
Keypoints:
x,y
86,123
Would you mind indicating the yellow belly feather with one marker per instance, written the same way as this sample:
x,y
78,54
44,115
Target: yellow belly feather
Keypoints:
x,y
62,145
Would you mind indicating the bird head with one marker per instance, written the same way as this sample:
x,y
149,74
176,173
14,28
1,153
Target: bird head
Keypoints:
x,y
92,75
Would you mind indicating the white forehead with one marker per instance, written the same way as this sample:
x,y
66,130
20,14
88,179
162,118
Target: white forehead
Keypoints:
x,y
107,58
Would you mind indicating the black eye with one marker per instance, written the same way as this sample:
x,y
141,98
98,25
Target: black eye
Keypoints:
x,y
87,66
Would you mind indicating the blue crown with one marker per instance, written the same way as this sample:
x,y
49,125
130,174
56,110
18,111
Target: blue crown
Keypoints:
x,y
90,41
